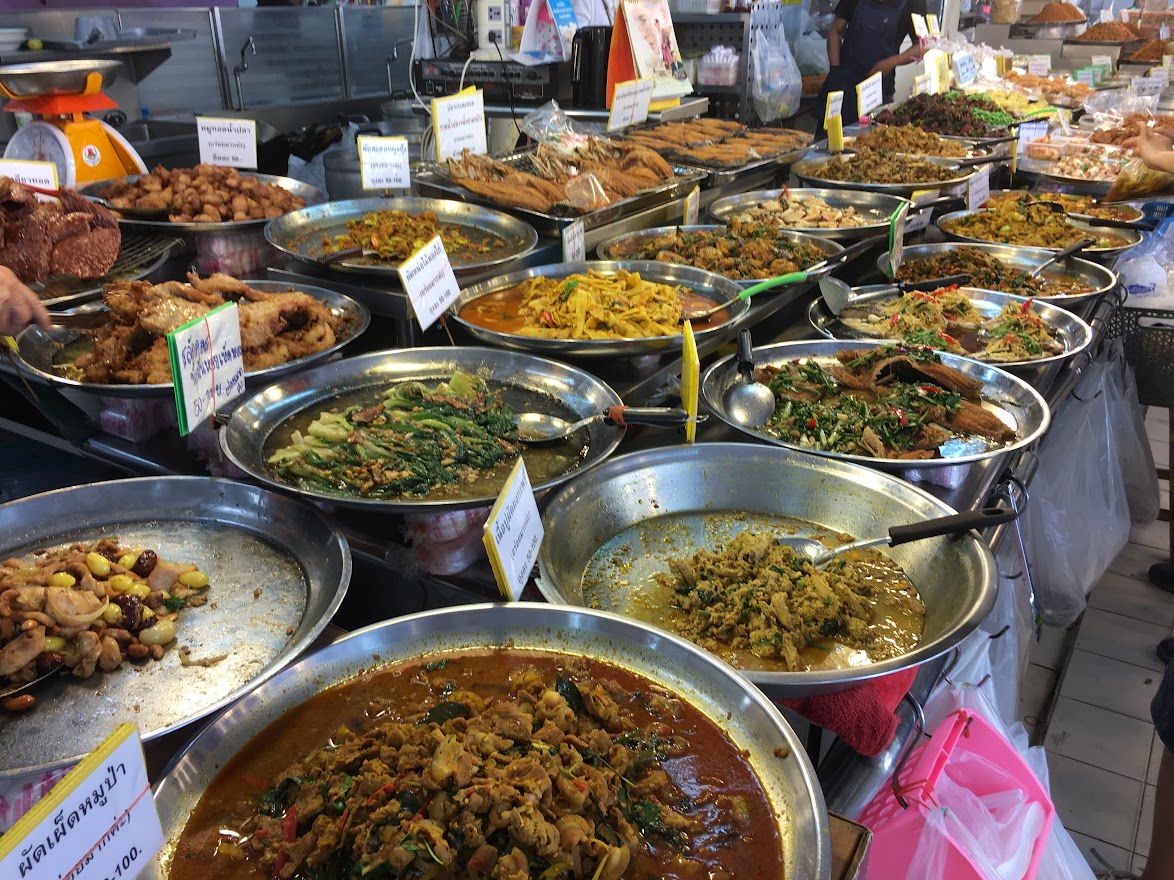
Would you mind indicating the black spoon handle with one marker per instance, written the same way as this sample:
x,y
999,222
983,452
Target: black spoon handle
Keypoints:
x,y
745,354
955,524
656,416
934,283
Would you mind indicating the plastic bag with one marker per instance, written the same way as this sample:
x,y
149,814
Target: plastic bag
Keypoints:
x,y
550,125
776,84
1133,446
1078,519
1136,180
811,54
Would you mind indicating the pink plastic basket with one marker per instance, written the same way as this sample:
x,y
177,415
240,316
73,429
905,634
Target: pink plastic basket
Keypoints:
x,y
896,830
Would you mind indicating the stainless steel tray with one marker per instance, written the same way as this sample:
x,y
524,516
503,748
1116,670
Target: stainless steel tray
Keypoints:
x,y
1073,333
808,172
1134,213
697,496
435,181
1132,237
826,246
974,148
38,349
1048,30
311,194
247,539
877,207
1035,170
1006,395
1098,277
715,288
720,175
299,234
747,716
528,384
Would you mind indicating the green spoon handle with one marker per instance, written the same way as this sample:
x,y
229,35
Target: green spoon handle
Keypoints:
x,y
791,278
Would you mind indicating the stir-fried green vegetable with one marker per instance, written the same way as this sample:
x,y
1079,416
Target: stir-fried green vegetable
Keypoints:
x,y
414,440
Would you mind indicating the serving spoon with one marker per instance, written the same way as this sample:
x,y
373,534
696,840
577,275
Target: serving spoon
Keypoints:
x,y
954,524
1064,254
748,402
541,429
839,296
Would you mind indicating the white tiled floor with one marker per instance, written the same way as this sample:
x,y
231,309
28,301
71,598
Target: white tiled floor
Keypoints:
x,y
1093,694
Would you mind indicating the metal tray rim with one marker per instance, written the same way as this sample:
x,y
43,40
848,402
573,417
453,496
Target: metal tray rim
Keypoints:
x,y
1132,236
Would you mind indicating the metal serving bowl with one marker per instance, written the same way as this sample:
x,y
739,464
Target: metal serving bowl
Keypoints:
x,y
663,502
1131,213
750,719
1070,331
1131,237
1096,276
972,147
712,286
612,248
37,349
1011,398
299,234
1041,170
877,208
38,79
809,169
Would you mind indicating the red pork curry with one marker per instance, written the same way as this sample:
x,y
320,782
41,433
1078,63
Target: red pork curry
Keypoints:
x,y
508,765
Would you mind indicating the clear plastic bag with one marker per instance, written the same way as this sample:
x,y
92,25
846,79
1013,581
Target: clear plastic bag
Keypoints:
x,y
1133,447
1078,519
1136,180
549,124
811,55
776,84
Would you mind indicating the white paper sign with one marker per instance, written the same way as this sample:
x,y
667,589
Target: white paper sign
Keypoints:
x,y
1039,65
231,142
42,174
383,162
869,94
207,365
629,106
931,22
1145,86
513,533
835,105
919,26
98,823
933,71
978,188
918,221
1105,61
575,242
1029,132
429,282
459,121
1168,60
1162,75
693,206
965,68
1164,32
1086,75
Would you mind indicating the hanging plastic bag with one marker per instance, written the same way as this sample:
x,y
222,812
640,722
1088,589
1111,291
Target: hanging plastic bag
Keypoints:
x,y
1134,453
1078,519
776,84
811,55
1136,180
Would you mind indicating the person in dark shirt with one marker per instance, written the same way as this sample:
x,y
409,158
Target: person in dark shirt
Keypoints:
x,y
866,38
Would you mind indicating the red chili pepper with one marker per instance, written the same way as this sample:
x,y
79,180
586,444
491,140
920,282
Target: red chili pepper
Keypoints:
x,y
900,413
289,825
949,317
546,318
342,822
279,863
387,789
811,423
1026,307
476,863
896,319
795,360
949,338
255,781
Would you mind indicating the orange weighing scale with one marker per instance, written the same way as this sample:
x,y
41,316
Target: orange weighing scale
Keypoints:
x,y
83,149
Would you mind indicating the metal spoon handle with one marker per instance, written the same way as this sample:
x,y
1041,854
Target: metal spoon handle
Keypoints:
x,y
934,283
745,355
655,416
846,254
1113,223
1064,254
955,524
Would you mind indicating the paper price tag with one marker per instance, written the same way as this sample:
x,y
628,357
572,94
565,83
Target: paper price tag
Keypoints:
x,y
513,533
429,282
693,206
1103,61
383,162
943,66
1039,65
1145,86
1162,75
965,68
918,220
1168,60
933,70
921,84
869,94
920,26
1029,132
835,105
629,105
1164,32
42,174
574,242
931,21
100,819
897,238
231,142
207,365
459,122
690,380
978,188
835,130
1086,75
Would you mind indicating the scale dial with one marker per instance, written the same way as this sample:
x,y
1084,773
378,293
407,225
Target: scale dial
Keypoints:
x,y
41,142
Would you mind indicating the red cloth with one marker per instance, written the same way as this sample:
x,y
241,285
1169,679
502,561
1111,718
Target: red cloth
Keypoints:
x,y
861,716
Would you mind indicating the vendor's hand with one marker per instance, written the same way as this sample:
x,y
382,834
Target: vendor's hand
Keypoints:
x,y
1150,145
913,53
19,306
1166,133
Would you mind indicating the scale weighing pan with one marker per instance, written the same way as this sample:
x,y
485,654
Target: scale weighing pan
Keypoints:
x,y
44,79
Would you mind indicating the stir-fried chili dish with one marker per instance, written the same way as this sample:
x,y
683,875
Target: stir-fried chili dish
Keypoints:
x,y
883,166
990,273
396,235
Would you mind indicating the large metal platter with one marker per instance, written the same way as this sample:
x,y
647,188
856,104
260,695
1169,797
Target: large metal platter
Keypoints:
x,y
528,384
809,169
1100,278
700,495
1039,170
311,194
717,690
1069,330
1008,396
1131,213
37,349
711,286
278,570
299,234
1131,237
973,148
607,250
877,207
39,79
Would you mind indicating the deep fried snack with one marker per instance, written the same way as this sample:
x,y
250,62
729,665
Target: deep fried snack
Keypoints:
x,y
204,194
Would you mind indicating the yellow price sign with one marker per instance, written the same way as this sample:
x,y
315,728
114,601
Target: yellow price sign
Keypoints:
x,y
835,130
690,381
